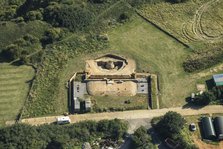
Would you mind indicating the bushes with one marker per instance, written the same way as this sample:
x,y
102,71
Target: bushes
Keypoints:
x,y
141,139
20,48
47,136
170,125
212,96
204,99
203,60
34,15
98,1
176,1
52,35
72,18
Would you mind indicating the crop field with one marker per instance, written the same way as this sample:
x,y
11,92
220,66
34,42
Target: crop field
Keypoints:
x,y
14,86
190,22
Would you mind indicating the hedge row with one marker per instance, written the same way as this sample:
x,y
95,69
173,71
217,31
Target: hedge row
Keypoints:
x,y
203,60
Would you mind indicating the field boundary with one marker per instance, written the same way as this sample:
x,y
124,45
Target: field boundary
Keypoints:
x,y
20,114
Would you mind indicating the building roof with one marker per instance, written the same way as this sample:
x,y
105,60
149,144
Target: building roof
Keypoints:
x,y
218,79
218,123
208,128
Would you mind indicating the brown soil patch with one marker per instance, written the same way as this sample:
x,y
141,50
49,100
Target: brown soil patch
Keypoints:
x,y
102,88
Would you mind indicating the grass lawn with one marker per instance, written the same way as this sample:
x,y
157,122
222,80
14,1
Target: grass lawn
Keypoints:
x,y
105,103
158,53
14,87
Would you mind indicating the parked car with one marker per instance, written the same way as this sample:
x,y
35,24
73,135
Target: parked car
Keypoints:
x,y
192,127
63,120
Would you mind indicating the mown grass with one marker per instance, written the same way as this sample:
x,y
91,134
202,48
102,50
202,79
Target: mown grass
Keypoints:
x,y
116,103
14,87
158,53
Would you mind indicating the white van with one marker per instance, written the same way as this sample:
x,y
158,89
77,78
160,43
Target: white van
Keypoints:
x,y
63,120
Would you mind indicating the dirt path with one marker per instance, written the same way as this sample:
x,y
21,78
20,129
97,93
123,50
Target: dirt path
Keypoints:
x,y
127,115
196,25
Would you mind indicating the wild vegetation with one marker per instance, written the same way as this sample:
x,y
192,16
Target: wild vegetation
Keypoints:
x,y
200,60
189,22
58,136
142,139
212,96
172,125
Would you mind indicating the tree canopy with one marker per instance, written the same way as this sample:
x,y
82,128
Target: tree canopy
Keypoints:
x,y
171,124
23,136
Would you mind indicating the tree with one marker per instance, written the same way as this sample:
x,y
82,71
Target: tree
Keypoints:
x,y
141,139
205,98
67,16
171,124
52,35
34,15
123,17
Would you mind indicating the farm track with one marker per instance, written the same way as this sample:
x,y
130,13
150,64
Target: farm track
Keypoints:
x,y
126,115
196,24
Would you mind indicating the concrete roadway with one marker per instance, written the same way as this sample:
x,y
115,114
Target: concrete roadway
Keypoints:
x,y
128,115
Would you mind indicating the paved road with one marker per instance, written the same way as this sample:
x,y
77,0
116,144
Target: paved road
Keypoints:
x,y
128,115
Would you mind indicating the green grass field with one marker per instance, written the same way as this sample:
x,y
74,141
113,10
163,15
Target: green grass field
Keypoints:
x,y
158,53
14,87
115,103
153,50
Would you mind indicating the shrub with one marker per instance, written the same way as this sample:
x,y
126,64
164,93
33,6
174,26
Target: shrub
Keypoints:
x,y
52,35
141,139
11,52
203,60
123,17
205,98
98,1
34,15
72,18
170,125
49,136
